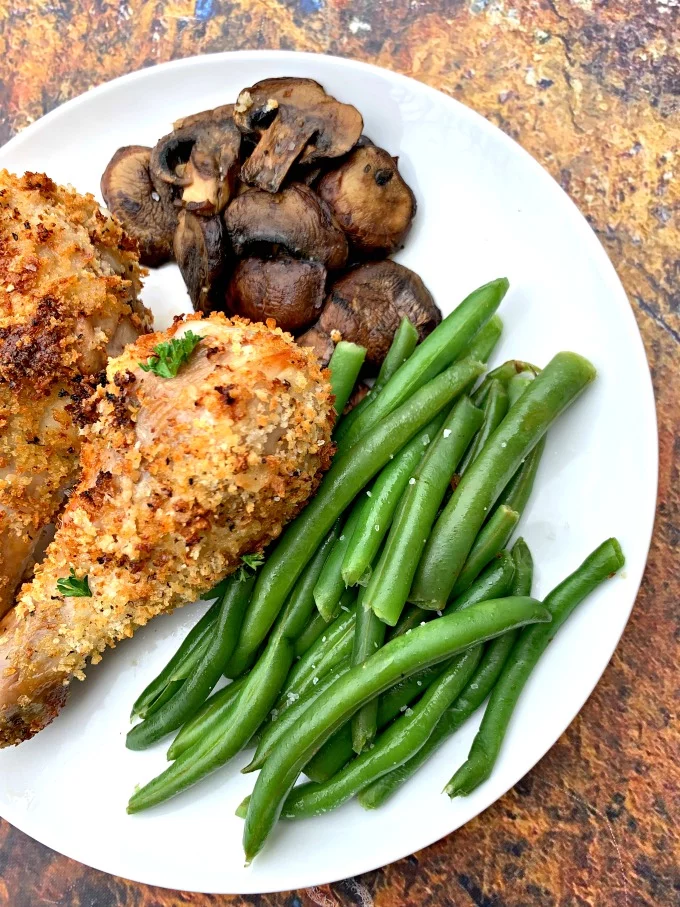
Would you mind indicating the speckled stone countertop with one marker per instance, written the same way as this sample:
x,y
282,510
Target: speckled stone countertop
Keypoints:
x,y
591,88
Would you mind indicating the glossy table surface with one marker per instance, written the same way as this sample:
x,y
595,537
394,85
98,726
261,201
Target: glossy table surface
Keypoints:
x,y
591,88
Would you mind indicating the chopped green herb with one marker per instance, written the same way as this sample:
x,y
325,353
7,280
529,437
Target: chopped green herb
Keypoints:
x,y
72,587
169,357
249,562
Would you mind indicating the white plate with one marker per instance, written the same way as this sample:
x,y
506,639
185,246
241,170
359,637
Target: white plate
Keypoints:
x,y
485,209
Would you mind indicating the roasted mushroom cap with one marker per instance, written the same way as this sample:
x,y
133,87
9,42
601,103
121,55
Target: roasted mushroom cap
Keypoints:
x,y
146,214
286,289
296,120
295,219
370,200
202,157
199,251
366,306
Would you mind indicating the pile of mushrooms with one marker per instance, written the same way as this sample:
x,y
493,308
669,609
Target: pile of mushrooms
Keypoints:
x,y
278,207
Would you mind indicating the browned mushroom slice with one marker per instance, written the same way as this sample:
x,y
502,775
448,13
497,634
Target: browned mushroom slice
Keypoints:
x,y
286,289
199,251
366,306
296,120
147,215
295,219
370,200
202,157
214,114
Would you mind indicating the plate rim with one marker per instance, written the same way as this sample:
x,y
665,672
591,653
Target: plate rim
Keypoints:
x,y
605,266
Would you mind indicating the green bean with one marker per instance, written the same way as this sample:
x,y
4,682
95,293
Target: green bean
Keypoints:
x,y
198,686
310,634
195,637
495,409
524,568
207,718
516,493
425,646
454,533
504,373
435,353
281,724
495,582
345,366
330,584
518,384
390,583
369,635
500,525
346,477
469,700
334,645
380,504
412,616
216,592
484,343
561,602
172,687
299,608
191,662
329,660
403,343
492,539
227,739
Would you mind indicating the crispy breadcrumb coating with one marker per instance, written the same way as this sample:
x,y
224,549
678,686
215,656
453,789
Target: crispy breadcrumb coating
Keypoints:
x,y
181,477
69,285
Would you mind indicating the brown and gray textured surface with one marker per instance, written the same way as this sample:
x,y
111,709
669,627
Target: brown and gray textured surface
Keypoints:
x,y
592,89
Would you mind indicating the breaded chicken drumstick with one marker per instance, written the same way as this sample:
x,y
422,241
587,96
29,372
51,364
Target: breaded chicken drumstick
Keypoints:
x,y
69,280
181,476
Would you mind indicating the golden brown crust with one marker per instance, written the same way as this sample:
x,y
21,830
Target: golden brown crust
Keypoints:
x,y
69,284
180,478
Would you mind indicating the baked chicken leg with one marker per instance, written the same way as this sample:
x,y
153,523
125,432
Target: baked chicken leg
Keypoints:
x,y
180,477
69,280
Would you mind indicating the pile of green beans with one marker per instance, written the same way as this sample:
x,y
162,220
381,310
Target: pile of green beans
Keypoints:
x,y
390,609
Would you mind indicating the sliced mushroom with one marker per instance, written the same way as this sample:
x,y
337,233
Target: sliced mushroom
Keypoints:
x,y
147,215
286,289
296,121
366,306
199,251
370,200
295,219
202,158
215,114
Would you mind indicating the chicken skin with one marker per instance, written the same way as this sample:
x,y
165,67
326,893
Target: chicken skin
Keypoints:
x,y
69,282
181,476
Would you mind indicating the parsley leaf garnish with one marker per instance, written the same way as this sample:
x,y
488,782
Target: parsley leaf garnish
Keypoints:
x,y
169,357
249,562
72,587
